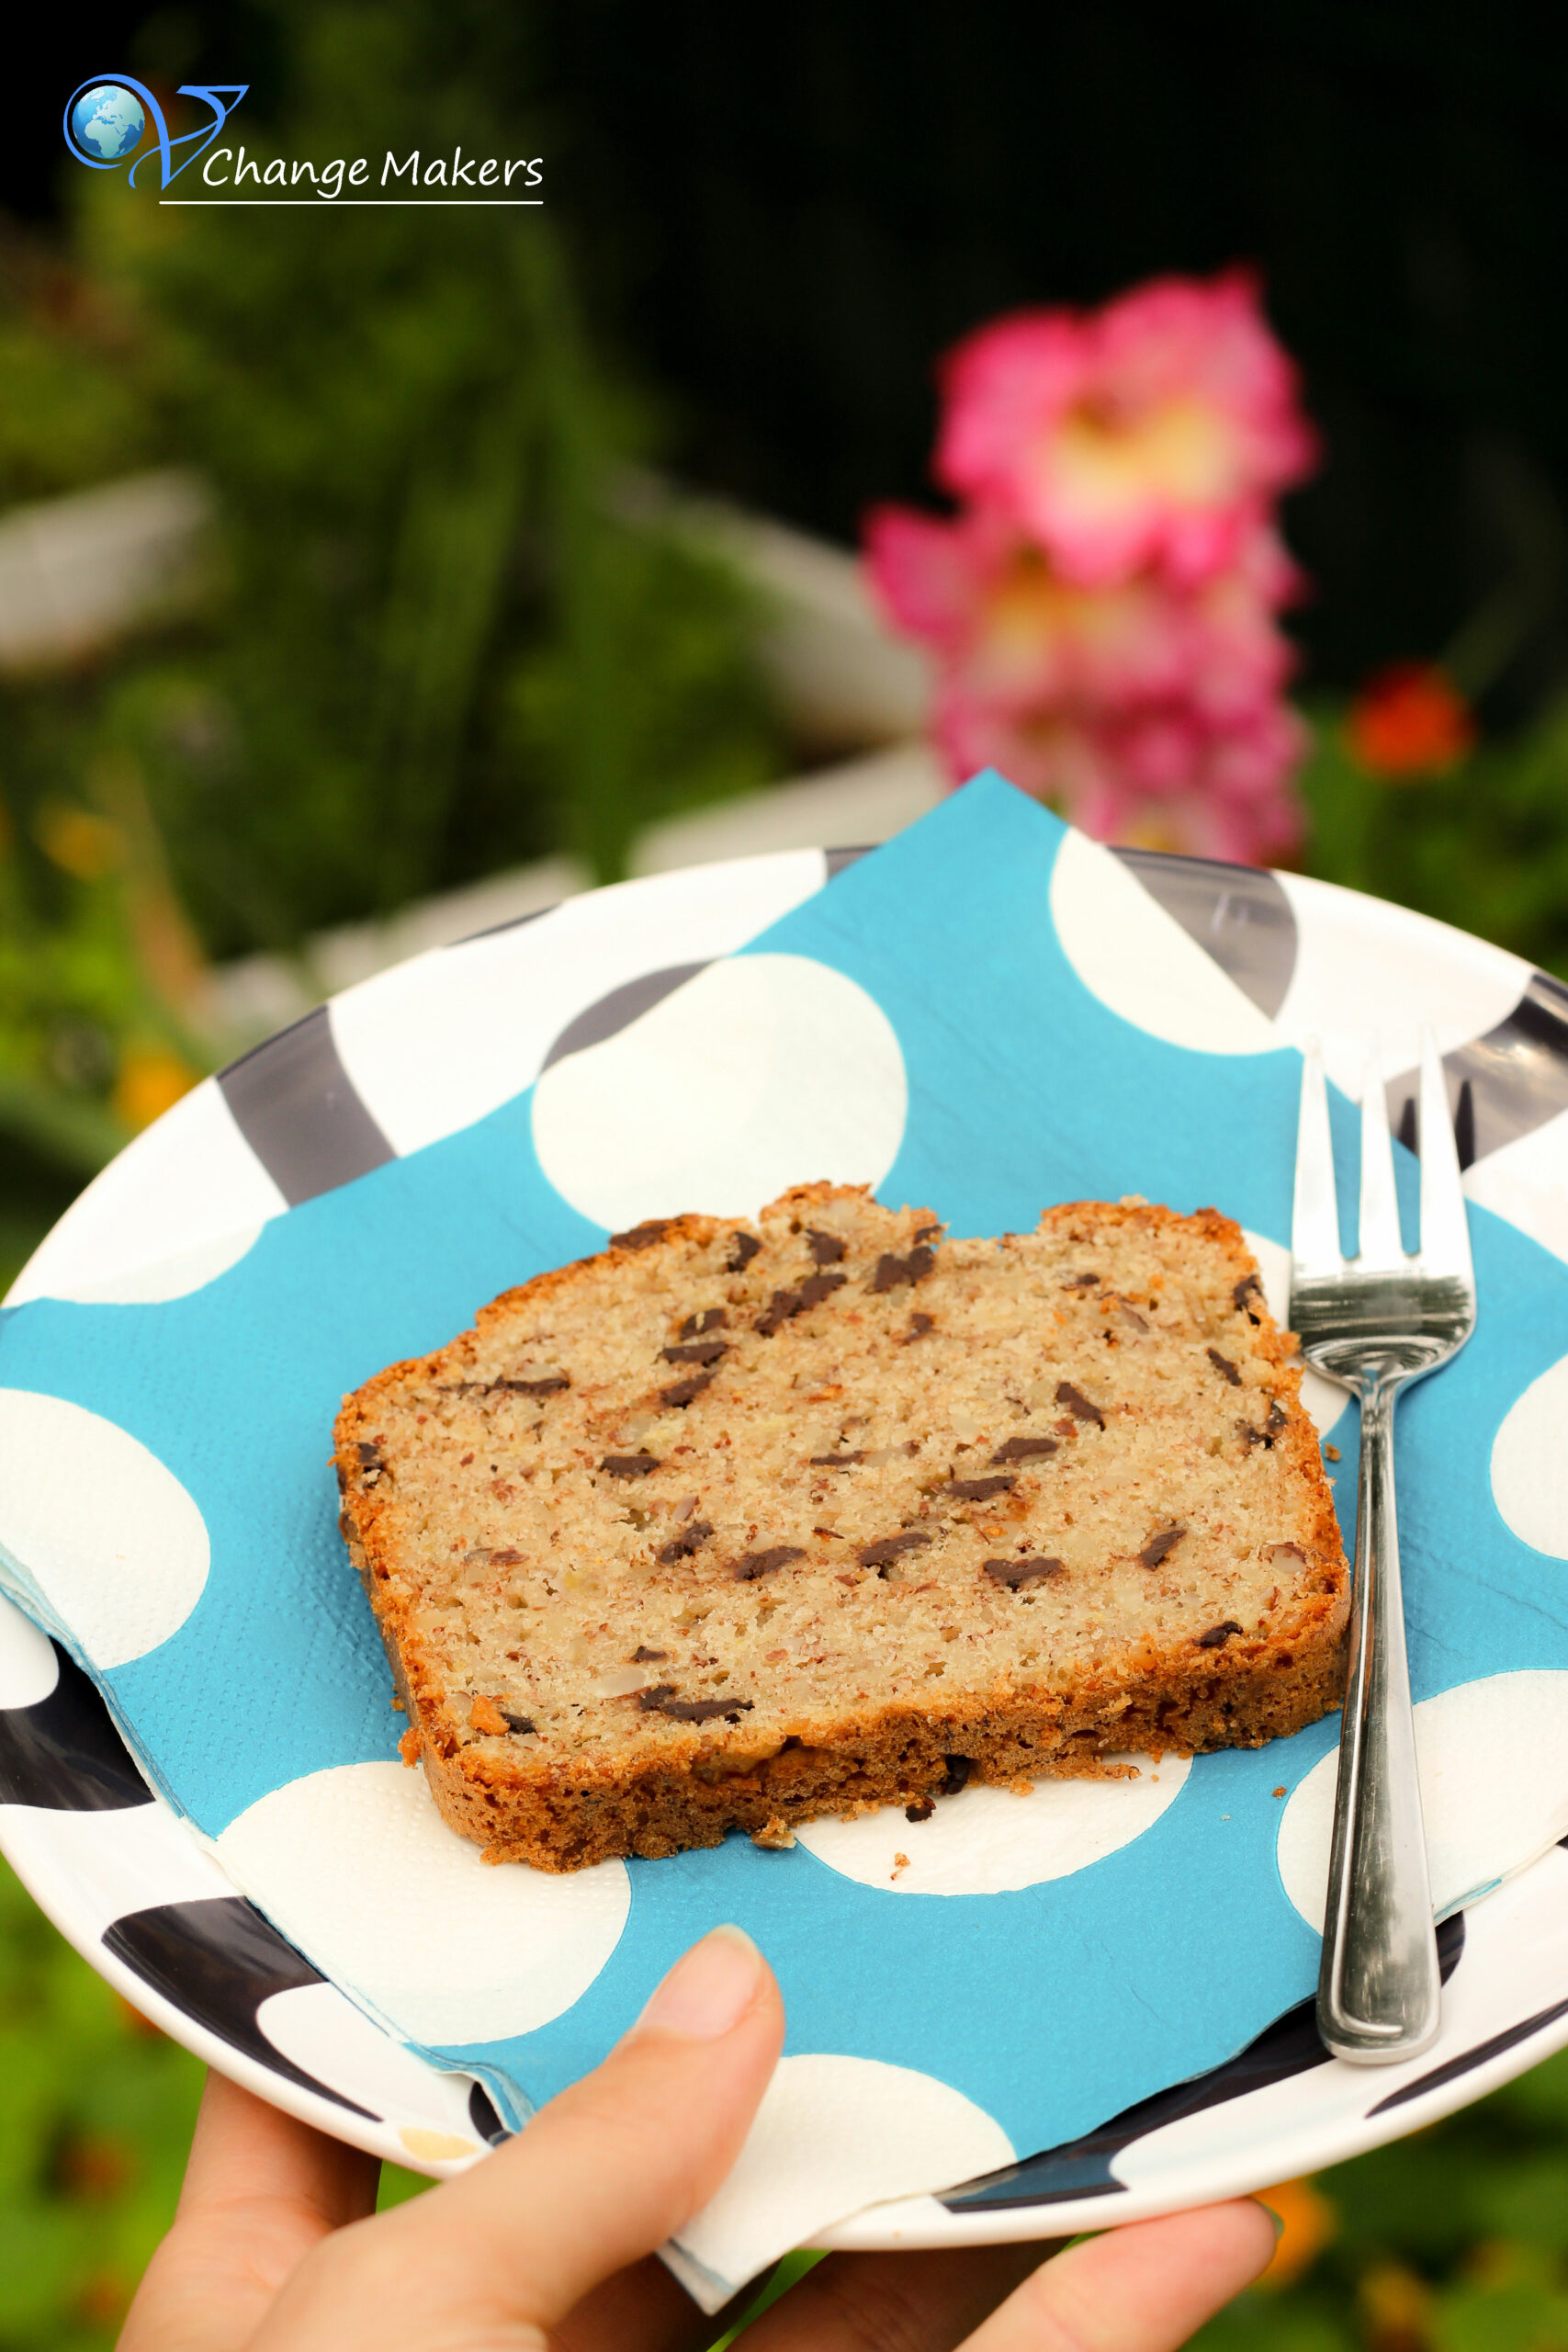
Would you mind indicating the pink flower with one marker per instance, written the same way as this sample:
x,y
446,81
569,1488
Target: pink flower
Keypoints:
x,y
1162,781
1003,620
1102,613
1157,430
1144,710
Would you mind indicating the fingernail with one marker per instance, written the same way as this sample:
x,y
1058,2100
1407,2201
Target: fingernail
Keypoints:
x,y
709,1990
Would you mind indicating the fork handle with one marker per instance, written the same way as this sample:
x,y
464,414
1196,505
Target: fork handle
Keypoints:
x,y
1379,1989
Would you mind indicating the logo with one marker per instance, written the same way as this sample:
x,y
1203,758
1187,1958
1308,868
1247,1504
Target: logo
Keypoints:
x,y
113,119
106,121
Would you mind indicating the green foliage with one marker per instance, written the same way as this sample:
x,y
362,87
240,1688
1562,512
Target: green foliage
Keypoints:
x,y
70,415
422,645
435,651
65,991
96,2117
96,965
96,2112
1484,846
676,715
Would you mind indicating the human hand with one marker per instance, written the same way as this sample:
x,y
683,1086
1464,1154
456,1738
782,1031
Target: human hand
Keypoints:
x,y
547,2246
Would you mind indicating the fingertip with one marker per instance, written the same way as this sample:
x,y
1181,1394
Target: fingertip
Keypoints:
x,y
1241,2230
1222,2248
614,2164
710,1988
1261,2242
1149,2285
1277,2220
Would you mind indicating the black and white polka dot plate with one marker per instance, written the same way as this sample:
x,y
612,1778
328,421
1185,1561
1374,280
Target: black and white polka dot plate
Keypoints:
x,y
370,1078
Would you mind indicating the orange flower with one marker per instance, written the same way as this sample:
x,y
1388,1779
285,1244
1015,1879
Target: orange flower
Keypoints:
x,y
134,2022
150,1081
104,2299
95,2166
1394,2308
81,843
1410,720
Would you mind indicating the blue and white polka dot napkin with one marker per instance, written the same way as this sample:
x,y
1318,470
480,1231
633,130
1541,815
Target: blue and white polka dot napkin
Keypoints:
x,y
985,1016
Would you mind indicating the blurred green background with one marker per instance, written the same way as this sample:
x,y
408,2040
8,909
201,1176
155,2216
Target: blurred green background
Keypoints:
x,y
425,628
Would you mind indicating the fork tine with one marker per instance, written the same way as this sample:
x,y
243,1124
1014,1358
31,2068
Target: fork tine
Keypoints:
x,y
1378,1241
1445,1228
1314,1226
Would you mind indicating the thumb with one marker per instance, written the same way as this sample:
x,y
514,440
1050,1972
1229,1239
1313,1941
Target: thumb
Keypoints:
x,y
601,2177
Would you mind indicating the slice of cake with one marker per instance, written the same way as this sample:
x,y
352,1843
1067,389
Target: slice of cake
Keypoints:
x,y
740,1523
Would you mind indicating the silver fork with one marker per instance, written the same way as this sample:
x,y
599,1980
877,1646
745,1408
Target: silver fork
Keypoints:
x,y
1378,1322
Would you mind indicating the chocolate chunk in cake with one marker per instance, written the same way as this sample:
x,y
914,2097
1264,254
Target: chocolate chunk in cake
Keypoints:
x,y
1015,1574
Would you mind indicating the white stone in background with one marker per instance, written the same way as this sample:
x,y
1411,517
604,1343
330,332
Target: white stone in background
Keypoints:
x,y
177,1198
988,1841
842,675
832,2134
1493,1756
252,998
850,806
29,1666
1529,1464
358,950
113,1541
762,1072
1362,966
257,995
1526,1181
77,571
1138,961
356,1866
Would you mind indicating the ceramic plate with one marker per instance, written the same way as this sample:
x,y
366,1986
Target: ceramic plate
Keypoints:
x,y
324,1102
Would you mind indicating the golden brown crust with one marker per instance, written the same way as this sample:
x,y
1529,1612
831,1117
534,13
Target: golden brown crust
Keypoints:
x,y
1260,1691
562,1811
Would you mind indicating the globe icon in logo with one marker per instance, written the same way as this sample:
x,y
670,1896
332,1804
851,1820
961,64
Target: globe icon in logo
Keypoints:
x,y
107,122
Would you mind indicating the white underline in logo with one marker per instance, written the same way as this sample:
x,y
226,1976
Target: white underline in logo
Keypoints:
x,y
318,203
